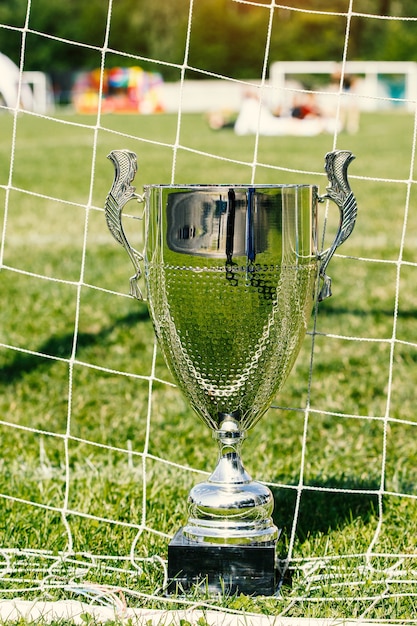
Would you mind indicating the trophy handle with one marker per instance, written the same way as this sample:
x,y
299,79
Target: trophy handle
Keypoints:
x,y
125,165
340,192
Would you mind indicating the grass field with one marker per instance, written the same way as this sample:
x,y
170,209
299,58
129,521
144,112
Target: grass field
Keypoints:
x,y
73,427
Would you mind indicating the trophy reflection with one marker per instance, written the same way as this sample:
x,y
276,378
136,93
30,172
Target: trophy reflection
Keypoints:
x,y
231,274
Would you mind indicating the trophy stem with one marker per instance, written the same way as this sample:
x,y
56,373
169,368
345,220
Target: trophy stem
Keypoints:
x,y
230,508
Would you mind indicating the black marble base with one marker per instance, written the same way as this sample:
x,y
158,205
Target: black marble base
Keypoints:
x,y
231,569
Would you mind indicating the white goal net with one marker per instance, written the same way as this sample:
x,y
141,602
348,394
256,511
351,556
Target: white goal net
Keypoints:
x,y
98,447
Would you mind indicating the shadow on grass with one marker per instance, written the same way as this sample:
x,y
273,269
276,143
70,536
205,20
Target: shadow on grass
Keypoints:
x,y
332,309
324,510
61,347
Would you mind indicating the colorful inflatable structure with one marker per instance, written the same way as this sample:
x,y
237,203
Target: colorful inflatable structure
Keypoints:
x,y
124,90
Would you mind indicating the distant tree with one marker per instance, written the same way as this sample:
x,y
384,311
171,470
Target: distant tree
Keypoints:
x,y
299,36
227,37
12,13
155,29
384,39
51,26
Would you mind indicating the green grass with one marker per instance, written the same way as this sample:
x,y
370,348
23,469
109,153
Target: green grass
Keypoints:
x,y
44,238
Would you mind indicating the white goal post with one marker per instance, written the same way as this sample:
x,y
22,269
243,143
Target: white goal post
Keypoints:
x,y
369,91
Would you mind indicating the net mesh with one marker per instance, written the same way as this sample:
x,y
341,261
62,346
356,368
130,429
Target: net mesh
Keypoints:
x,y
96,469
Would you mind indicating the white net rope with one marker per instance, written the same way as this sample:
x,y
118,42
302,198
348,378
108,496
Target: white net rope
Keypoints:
x,y
123,499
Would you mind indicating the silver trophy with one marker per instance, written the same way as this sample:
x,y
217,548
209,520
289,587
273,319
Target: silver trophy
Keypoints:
x,y
231,273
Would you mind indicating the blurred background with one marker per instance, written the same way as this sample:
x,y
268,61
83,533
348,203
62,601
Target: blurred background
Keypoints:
x,y
146,44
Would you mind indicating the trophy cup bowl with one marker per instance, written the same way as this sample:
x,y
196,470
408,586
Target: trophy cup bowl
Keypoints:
x,y
231,275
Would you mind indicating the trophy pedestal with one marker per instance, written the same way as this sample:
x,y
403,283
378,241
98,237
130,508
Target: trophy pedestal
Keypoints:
x,y
248,569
